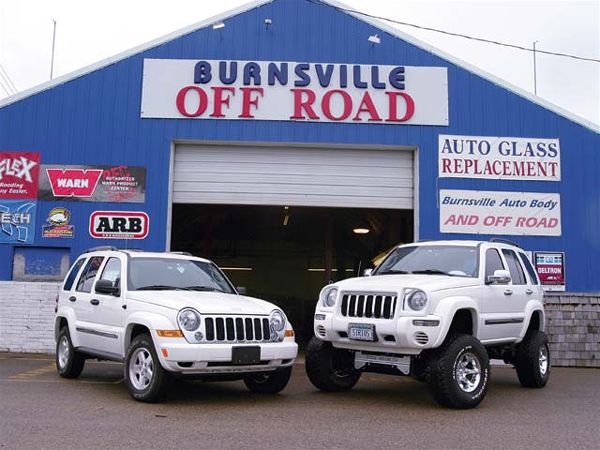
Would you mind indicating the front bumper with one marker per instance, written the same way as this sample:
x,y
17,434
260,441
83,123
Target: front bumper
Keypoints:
x,y
405,335
177,355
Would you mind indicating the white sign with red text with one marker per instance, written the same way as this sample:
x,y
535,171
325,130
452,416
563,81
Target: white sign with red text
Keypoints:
x,y
316,92
499,158
496,212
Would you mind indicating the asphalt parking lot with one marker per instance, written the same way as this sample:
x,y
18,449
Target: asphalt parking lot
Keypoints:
x,y
39,410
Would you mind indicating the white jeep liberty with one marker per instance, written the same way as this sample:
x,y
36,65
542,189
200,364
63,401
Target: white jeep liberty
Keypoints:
x,y
437,311
167,314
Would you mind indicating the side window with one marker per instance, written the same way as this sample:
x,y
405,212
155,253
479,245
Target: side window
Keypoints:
x,y
493,262
112,271
72,274
529,268
89,273
514,267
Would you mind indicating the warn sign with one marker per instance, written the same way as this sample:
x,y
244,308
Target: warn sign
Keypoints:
x,y
119,225
73,182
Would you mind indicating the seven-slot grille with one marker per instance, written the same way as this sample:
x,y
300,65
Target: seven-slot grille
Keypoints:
x,y
379,306
236,329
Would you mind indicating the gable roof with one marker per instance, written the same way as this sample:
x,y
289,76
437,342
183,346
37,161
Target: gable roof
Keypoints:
x,y
345,9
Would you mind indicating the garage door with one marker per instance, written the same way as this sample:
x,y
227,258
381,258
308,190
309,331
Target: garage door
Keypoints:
x,y
254,175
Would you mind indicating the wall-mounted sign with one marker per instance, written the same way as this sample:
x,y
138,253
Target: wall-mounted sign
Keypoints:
x,y
550,267
121,184
17,221
263,90
499,158
119,224
58,225
19,174
496,212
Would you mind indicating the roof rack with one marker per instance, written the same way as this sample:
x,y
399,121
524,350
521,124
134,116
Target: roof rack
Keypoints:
x,y
182,253
505,241
101,248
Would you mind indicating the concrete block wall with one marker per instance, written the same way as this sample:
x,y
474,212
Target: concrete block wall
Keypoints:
x,y
27,316
573,327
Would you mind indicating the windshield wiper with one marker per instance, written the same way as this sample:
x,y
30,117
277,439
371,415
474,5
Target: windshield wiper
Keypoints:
x,y
158,287
201,288
392,272
433,272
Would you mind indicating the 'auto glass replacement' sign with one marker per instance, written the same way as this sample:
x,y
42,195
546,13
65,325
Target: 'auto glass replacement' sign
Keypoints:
x,y
496,212
499,158
297,91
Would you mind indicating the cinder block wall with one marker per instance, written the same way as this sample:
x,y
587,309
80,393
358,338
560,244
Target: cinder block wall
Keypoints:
x,y
27,316
573,327
27,322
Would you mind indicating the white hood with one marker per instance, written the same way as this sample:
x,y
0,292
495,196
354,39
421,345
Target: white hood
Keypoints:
x,y
204,302
392,283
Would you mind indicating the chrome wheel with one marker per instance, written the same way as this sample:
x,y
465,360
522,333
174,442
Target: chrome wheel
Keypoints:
x,y
543,359
467,372
63,352
141,369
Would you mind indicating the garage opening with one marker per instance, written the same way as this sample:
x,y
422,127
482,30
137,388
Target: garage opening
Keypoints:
x,y
284,220
287,254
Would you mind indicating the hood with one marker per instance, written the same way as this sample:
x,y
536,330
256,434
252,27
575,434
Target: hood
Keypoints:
x,y
428,283
204,302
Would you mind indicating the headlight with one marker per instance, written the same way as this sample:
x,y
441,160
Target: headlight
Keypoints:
x,y
277,321
330,296
189,319
416,299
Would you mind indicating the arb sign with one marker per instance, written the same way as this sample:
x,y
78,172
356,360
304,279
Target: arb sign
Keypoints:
x,y
119,224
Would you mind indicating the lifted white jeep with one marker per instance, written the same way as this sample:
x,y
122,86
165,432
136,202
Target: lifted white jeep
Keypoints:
x,y
437,311
166,315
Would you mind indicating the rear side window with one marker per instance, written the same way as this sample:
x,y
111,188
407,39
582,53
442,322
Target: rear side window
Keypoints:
x,y
493,262
514,267
86,280
72,274
529,268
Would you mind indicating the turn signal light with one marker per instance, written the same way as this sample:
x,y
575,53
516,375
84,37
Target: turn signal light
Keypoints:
x,y
169,333
289,333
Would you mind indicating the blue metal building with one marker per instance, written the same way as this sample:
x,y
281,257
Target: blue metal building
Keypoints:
x,y
123,112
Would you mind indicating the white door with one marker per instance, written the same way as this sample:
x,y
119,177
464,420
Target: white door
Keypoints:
x,y
83,303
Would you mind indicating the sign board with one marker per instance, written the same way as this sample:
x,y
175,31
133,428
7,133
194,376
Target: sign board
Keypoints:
x,y
58,225
497,212
498,158
318,92
550,267
118,184
119,225
17,221
19,174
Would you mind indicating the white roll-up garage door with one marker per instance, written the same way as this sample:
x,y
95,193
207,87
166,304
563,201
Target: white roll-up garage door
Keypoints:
x,y
290,175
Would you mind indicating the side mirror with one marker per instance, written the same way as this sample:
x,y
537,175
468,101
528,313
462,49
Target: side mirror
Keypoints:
x,y
499,277
241,290
367,272
107,287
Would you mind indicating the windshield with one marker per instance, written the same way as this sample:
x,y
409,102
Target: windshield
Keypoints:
x,y
450,260
163,274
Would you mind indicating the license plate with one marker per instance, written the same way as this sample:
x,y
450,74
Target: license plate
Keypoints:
x,y
361,332
245,355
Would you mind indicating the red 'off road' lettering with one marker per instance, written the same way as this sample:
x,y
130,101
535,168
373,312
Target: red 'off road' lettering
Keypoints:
x,y
73,182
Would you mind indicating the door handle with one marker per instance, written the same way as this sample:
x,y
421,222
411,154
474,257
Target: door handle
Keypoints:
x,y
72,298
529,292
95,301
508,292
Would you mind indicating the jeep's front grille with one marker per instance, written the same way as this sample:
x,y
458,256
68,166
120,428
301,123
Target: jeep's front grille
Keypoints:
x,y
236,329
378,306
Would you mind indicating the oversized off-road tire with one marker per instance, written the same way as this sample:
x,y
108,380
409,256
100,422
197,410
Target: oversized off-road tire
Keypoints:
x,y
268,382
69,362
459,372
330,369
145,378
532,360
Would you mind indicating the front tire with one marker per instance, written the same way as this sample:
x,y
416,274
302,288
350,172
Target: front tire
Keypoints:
x,y
330,369
145,377
460,372
69,362
533,360
269,382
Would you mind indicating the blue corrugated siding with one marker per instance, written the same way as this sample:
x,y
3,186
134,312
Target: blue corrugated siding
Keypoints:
x,y
95,119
